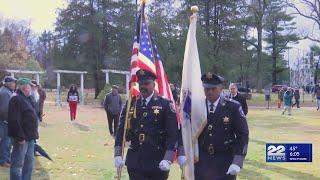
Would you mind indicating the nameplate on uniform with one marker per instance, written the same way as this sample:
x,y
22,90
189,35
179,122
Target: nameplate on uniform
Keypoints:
x,y
289,152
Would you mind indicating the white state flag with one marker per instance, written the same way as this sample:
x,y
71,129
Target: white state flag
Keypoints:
x,y
193,110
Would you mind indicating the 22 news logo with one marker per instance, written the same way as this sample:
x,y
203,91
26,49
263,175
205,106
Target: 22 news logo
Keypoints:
x,y
276,153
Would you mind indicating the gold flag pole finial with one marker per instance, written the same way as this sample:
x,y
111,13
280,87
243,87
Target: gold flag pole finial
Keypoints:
x,y
194,9
143,1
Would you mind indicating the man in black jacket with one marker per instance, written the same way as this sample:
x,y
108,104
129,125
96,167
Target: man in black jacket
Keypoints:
x,y
237,97
23,129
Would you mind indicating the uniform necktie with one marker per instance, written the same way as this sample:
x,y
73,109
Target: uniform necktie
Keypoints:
x,y
211,110
144,105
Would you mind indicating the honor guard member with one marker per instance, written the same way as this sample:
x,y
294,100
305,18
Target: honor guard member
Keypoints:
x,y
224,140
152,131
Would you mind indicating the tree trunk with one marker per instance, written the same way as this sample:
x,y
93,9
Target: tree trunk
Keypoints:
x,y
259,52
316,74
274,59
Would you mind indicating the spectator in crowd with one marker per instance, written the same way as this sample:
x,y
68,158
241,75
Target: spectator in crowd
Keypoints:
x,y
296,95
112,105
6,92
23,129
308,89
280,96
287,102
317,95
73,100
42,98
237,97
35,97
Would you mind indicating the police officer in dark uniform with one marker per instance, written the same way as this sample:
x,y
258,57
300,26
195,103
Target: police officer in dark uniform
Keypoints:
x,y
223,142
153,133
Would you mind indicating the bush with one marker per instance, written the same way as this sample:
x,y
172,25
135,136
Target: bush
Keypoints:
x,y
104,91
107,88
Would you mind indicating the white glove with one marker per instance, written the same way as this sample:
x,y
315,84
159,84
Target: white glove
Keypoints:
x,y
233,169
182,160
164,165
118,162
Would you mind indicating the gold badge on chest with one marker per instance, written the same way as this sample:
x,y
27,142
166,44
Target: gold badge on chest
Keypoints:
x,y
156,111
226,120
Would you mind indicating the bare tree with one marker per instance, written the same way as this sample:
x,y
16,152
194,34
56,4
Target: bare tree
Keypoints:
x,y
312,13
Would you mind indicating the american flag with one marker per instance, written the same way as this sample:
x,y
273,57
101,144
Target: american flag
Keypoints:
x,y
145,56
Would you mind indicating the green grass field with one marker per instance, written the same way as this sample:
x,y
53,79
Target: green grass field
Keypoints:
x,y
79,153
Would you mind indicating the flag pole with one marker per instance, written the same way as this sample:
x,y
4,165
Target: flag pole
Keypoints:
x,y
194,10
128,115
126,123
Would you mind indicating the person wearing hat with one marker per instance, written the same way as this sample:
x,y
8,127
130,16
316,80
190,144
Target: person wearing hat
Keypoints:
x,y
36,97
112,105
23,129
224,140
6,92
152,133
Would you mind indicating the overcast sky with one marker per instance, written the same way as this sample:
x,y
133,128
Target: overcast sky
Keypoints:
x,y
41,14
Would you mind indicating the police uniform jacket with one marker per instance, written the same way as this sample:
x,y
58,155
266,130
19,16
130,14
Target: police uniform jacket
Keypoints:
x,y
223,141
153,134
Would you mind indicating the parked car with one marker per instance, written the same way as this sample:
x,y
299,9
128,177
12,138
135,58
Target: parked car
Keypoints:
x,y
246,92
277,88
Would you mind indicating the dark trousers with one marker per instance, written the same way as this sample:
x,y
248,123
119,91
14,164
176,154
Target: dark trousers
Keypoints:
x,y
142,175
41,110
22,158
297,103
113,120
213,167
5,143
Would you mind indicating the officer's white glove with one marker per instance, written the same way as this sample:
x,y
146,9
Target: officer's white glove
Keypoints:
x,y
118,162
164,165
182,160
233,169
